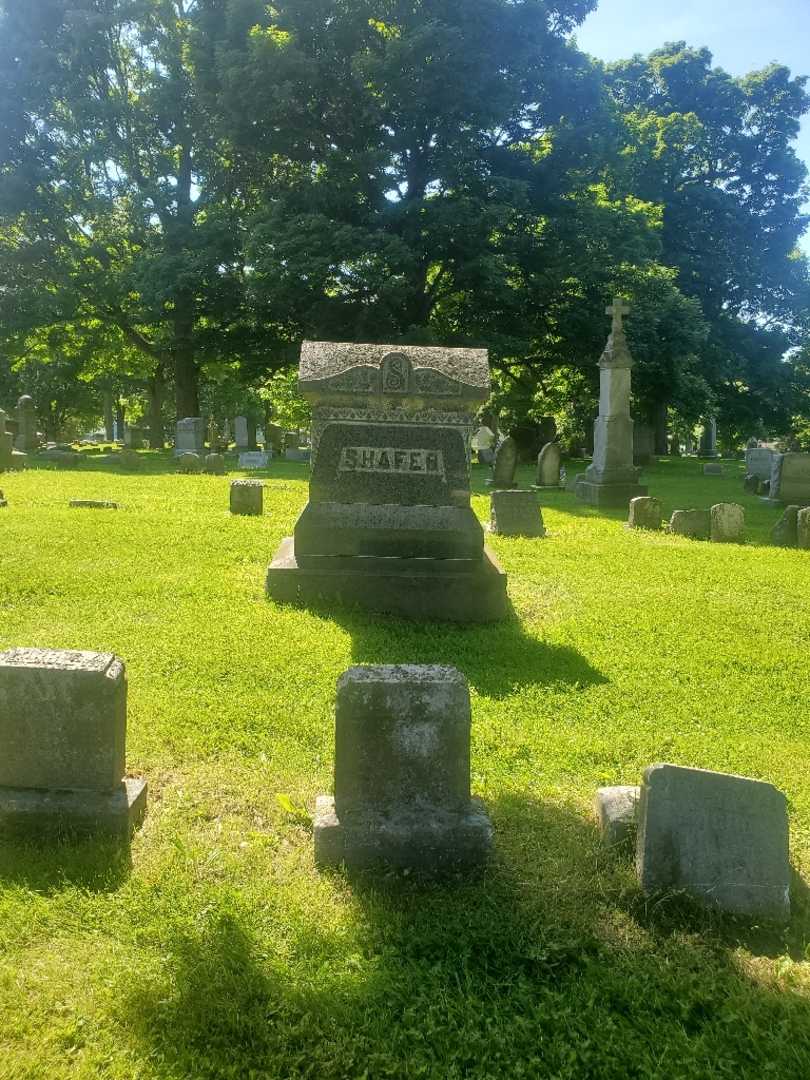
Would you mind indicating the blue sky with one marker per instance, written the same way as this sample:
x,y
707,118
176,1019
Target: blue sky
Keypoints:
x,y
743,35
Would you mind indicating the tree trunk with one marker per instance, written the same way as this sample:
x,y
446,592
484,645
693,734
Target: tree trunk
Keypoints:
x,y
155,389
661,427
108,415
186,375
251,433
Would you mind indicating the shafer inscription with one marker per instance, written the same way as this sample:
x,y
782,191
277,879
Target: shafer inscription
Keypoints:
x,y
389,459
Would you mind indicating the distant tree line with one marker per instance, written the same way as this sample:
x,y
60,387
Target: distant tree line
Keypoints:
x,y
188,188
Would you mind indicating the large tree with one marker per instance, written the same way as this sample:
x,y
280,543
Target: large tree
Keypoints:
x,y
115,202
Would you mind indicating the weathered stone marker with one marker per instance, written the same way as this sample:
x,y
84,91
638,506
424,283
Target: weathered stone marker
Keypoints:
x,y
785,532
402,773
548,466
253,459
696,524
645,513
721,838
26,440
515,513
713,469
727,523
505,465
612,479
389,526
759,462
214,465
247,497
617,810
63,718
790,479
708,439
189,463
92,504
190,436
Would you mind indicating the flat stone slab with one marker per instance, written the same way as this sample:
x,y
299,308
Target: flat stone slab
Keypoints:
x,y
93,504
607,494
28,811
62,719
253,459
617,810
247,497
442,589
723,839
713,470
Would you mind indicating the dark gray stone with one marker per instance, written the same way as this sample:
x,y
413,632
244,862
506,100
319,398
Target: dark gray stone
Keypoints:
x,y
506,463
214,465
645,513
727,523
402,773
785,531
608,495
92,504
32,812
617,810
27,440
803,529
389,499
247,497
751,484
515,513
190,436
713,469
695,524
723,839
63,719
253,459
130,460
548,466
643,443
189,463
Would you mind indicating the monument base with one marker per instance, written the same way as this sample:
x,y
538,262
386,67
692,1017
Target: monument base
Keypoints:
x,y
34,811
455,590
608,494
430,840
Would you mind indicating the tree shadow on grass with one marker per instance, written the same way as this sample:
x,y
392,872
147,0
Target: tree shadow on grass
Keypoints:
x,y
48,866
156,463
535,968
497,658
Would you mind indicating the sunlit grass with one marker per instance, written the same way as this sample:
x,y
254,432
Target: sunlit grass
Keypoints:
x,y
219,951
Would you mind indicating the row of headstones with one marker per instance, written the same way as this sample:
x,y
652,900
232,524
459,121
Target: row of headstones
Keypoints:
x,y
401,782
782,477
504,468
723,523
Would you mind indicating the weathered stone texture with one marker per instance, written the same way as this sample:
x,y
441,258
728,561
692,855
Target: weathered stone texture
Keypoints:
x,y
696,524
727,523
645,513
617,811
247,497
548,466
515,513
189,463
803,529
721,838
785,531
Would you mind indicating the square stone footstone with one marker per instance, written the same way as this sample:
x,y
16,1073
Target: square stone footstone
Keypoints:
x,y
247,497
727,523
515,513
92,504
389,526
617,809
645,513
63,743
713,470
695,524
722,839
402,773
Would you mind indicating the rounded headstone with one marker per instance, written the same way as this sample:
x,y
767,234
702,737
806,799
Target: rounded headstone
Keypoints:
x,y
727,523
506,462
189,463
785,531
803,529
645,513
215,464
548,466
695,524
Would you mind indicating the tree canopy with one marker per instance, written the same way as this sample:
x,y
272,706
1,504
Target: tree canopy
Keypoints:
x,y
188,188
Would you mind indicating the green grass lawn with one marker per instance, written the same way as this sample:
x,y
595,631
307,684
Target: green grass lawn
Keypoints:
x,y
215,949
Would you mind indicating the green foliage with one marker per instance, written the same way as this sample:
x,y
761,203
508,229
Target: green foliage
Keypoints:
x,y
288,408
217,950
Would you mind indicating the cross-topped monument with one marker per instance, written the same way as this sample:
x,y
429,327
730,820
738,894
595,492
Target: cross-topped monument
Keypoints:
x,y
611,479
618,309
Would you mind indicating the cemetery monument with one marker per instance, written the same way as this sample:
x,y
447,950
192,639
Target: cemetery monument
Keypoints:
x,y
612,479
389,526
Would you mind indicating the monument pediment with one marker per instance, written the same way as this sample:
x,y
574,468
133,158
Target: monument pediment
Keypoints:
x,y
397,371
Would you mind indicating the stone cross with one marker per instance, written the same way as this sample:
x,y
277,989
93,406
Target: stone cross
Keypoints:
x,y
617,309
